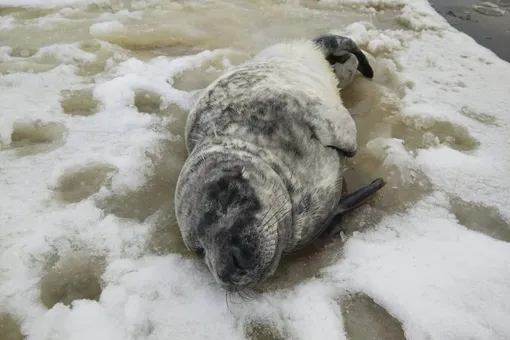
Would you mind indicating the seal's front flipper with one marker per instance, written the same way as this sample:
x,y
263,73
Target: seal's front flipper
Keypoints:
x,y
333,127
336,47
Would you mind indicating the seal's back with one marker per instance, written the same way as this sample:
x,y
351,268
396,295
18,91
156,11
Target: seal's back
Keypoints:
x,y
285,103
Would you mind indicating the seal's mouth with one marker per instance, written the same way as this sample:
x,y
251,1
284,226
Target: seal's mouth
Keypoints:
x,y
242,290
249,280
228,280
231,288
236,284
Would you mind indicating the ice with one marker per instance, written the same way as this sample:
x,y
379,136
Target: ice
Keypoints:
x,y
6,23
484,167
47,3
134,75
489,9
105,27
393,152
42,90
425,264
437,277
66,53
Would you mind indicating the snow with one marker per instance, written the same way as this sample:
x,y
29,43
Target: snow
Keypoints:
x,y
456,291
105,27
47,3
438,278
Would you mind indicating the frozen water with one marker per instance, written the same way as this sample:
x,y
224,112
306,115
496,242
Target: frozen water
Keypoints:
x,y
47,3
93,100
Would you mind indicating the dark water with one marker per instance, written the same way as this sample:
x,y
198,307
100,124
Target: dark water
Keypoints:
x,y
492,32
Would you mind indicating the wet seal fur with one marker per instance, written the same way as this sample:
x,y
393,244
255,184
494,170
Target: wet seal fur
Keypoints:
x,y
267,144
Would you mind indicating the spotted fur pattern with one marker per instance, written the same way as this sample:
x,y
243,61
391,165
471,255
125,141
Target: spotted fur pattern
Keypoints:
x,y
267,143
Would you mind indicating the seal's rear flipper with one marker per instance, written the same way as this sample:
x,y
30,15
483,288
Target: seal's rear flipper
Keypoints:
x,y
349,202
337,48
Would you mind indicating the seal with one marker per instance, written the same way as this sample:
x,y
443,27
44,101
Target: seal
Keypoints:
x,y
267,143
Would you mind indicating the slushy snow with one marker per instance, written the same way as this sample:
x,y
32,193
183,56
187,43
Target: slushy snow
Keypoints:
x,y
48,3
439,279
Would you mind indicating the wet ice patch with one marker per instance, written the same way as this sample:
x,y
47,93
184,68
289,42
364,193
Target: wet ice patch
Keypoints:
x,y
141,37
262,331
393,154
39,93
79,102
148,102
80,181
489,9
434,260
486,220
36,132
46,58
201,76
155,76
47,3
65,53
32,137
10,327
429,133
103,155
432,120
75,276
365,319
103,29
156,186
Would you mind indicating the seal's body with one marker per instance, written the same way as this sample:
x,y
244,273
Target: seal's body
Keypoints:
x,y
267,143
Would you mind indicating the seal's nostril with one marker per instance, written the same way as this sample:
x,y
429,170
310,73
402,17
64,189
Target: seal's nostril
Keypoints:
x,y
242,262
239,264
236,263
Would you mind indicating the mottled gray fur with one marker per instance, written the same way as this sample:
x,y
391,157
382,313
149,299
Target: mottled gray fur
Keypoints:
x,y
267,143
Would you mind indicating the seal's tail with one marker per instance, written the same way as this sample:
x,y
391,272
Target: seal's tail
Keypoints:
x,y
337,48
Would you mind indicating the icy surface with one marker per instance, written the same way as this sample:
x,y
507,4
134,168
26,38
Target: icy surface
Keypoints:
x,y
47,3
67,179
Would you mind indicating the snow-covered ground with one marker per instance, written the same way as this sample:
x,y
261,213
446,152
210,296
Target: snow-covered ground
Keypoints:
x,y
88,244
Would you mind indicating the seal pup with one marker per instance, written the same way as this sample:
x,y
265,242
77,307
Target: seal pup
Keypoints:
x,y
267,143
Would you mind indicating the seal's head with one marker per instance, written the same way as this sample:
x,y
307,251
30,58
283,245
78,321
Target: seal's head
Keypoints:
x,y
237,225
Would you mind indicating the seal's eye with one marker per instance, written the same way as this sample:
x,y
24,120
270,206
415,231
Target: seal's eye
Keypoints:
x,y
199,251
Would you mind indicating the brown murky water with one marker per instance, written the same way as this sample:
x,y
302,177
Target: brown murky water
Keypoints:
x,y
10,327
146,30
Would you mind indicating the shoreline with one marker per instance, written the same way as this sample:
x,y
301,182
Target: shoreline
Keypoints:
x,y
491,30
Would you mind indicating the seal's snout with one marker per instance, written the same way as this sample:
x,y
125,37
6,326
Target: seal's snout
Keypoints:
x,y
242,260
237,264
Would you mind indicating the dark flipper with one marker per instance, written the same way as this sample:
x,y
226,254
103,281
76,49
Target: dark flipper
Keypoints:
x,y
349,202
336,49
